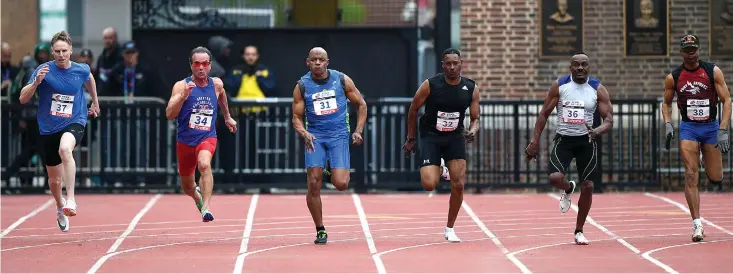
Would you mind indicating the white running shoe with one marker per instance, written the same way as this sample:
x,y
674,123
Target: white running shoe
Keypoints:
x,y
565,200
580,239
62,220
444,173
70,208
698,233
450,235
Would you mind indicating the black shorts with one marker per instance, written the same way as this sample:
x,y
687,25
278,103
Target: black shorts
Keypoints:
x,y
433,148
50,143
567,148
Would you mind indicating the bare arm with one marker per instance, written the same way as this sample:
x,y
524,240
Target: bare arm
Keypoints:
x,y
724,94
27,92
668,96
475,108
176,101
355,98
298,111
417,102
606,110
91,86
221,95
550,102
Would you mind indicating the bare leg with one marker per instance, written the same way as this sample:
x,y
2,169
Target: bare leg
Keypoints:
x,y
313,198
340,178
207,178
584,203
55,176
457,170
713,164
690,153
429,177
188,185
66,151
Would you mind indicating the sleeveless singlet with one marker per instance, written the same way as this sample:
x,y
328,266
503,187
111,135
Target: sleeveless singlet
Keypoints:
x,y
576,105
445,107
326,105
197,119
696,96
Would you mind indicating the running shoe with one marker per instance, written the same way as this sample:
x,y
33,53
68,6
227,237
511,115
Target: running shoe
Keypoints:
x,y
580,239
70,208
565,200
444,173
207,215
321,237
698,233
450,235
200,203
62,220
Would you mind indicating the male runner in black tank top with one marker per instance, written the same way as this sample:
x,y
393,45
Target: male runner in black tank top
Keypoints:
x,y
446,97
699,87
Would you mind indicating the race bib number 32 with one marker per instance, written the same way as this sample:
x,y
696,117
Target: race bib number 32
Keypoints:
x,y
324,102
698,110
201,119
447,121
62,105
573,112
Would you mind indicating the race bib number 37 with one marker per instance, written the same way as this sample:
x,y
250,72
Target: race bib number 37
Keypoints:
x,y
447,121
698,110
573,112
201,119
324,102
62,105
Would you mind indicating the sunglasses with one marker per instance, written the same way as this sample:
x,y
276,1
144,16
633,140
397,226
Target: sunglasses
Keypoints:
x,y
197,64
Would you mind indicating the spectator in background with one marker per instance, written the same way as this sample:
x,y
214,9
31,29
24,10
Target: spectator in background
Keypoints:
x,y
220,47
110,57
9,71
129,78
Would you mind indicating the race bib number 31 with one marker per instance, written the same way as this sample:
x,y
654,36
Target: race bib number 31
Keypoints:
x,y
447,121
698,110
573,112
324,102
201,119
62,105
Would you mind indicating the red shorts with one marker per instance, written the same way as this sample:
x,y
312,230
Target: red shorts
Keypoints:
x,y
188,155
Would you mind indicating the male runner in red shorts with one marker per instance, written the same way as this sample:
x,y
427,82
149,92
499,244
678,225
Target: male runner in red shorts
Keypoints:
x,y
194,104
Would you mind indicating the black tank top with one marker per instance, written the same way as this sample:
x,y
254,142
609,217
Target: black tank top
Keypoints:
x,y
445,107
697,99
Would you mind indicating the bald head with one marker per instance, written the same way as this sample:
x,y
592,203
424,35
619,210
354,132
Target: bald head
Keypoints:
x,y
579,57
318,62
318,51
109,36
579,68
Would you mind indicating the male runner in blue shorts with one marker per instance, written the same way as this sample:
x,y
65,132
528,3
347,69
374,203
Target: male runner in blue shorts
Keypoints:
x,y
321,96
62,117
193,104
699,87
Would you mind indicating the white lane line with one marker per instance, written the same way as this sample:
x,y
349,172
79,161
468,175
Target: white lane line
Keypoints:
x,y
685,209
245,235
368,234
26,217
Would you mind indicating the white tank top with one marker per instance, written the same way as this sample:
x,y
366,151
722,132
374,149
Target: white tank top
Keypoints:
x,y
576,105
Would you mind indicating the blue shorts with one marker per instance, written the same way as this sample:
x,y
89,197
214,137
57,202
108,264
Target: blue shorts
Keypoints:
x,y
705,133
335,151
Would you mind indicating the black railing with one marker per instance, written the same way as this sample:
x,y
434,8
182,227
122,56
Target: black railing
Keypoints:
x,y
131,146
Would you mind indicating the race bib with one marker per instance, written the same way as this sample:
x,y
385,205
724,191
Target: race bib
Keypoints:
x,y
698,110
573,112
447,121
62,105
201,119
324,102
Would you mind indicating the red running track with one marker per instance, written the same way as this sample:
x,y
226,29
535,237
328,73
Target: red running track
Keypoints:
x,y
385,233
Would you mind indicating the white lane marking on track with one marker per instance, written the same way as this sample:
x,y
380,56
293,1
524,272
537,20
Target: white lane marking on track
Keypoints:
x,y
127,232
26,217
685,209
246,234
368,234
494,239
647,255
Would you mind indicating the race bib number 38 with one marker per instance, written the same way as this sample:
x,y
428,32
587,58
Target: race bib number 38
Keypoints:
x,y
573,112
62,105
201,119
324,102
698,110
447,121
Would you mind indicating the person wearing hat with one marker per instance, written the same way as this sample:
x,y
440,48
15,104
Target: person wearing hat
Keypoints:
x,y
700,86
130,78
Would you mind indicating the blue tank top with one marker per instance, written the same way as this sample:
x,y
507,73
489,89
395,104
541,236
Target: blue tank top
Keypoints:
x,y
61,99
197,118
326,113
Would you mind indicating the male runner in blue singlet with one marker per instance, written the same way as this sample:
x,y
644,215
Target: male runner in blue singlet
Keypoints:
x,y
193,104
321,96
62,117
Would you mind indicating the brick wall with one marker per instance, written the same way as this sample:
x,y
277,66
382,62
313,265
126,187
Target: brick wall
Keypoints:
x,y
510,67
20,26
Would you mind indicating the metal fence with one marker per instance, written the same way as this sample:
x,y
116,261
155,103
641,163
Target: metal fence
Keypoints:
x,y
131,146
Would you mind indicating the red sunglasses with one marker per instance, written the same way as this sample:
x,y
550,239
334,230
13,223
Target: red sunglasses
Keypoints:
x,y
201,64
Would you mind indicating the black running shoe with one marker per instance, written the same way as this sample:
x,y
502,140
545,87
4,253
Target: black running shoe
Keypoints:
x,y
321,238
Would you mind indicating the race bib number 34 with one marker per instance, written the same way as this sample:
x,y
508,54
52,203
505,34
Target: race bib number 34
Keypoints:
x,y
573,112
447,121
201,119
324,102
698,110
62,105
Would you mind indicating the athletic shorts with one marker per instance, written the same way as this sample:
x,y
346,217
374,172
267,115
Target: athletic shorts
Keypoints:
x,y
188,156
706,133
50,143
567,148
434,147
335,151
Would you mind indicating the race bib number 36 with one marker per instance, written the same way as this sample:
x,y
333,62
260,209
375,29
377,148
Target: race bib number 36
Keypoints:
x,y
698,110
324,102
201,119
573,112
62,105
447,121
